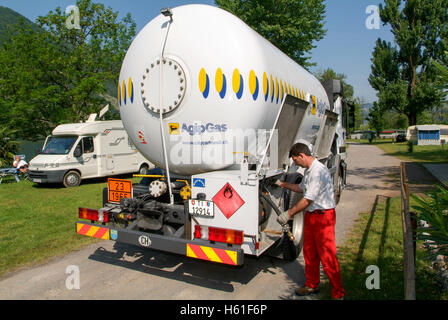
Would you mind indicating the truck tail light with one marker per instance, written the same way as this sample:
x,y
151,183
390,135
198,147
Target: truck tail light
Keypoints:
x,y
218,234
93,215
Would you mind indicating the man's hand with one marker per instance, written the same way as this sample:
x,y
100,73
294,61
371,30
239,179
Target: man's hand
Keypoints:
x,y
283,218
279,183
289,186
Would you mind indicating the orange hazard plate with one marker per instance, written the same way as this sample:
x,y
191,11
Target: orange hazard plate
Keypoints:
x,y
118,189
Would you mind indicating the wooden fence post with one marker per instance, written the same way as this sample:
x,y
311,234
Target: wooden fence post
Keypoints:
x,y
408,241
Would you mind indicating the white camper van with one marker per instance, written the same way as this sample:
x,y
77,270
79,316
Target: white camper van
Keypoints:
x,y
91,149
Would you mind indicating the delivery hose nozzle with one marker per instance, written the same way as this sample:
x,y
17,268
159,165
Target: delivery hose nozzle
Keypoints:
x,y
288,232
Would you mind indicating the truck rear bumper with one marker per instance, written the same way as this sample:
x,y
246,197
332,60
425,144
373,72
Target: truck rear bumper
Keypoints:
x,y
198,249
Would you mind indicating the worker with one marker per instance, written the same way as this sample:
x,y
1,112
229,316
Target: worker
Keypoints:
x,y
319,243
21,165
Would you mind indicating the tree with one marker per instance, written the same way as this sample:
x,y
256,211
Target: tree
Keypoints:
x,y
57,74
395,120
404,75
8,147
293,26
329,74
401,122
442,69
442,72
358,102
376,118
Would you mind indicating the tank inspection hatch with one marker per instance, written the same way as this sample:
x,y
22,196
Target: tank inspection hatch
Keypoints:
x,y
163,85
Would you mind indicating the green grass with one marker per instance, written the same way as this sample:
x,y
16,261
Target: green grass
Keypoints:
x,y
374,141
400,150
38,222
377,239
420,153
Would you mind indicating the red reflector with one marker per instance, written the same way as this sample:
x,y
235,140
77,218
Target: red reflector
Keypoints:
x,y
218,234
197,231
93,215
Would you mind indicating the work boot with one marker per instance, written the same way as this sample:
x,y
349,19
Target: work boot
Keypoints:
x,y
305,291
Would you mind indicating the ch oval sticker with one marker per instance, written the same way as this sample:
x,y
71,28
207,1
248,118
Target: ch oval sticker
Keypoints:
x,y
144,241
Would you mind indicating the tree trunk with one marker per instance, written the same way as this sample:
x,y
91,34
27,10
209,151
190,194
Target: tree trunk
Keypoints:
x,y
412,119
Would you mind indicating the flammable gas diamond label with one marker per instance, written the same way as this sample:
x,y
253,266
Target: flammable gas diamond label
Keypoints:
x,y
228,200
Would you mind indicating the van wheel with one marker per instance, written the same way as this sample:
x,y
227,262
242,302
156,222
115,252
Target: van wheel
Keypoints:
x,y
71,179
143,169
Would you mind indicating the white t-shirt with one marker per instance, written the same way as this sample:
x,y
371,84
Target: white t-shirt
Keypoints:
x,y
20,164
317,186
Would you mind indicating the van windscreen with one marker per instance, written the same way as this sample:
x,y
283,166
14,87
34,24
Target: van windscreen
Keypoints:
x,y
59,144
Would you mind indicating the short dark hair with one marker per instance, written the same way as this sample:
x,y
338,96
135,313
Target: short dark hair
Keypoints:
x,y
299,148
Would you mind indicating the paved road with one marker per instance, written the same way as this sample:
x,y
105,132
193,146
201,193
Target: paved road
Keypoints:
x,y
116,271
370,173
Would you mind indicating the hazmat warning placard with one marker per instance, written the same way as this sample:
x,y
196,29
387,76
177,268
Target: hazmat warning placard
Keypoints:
x,y
228,200
118,189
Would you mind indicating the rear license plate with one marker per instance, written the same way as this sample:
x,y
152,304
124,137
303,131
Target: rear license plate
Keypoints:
x,y
202,208
37,180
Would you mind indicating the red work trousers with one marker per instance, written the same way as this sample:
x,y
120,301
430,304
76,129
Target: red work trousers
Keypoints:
x,y
319,245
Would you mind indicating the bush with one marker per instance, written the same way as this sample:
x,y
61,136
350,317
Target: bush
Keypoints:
x,y
434,210
410,146
8,147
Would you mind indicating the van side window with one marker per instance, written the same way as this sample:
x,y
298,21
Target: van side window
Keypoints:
x,y
87,144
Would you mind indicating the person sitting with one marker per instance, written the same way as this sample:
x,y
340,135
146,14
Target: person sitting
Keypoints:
x,y
21,165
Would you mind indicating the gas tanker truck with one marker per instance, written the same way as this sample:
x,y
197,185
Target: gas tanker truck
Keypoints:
x,y
216,107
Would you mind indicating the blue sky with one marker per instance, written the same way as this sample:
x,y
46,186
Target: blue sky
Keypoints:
x,y
347,47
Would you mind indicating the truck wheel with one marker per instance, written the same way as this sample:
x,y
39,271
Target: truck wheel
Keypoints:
x,y
291,249
71,179
105,196
143,169
338,191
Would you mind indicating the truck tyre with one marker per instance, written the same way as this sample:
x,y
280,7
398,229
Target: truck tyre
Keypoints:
x,y
143,169
291,249
105,196
338,191
71,179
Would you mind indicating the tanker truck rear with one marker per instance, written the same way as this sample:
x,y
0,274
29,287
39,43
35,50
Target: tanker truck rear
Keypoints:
x,y
216,107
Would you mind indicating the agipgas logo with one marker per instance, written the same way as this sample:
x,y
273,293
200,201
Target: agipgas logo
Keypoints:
x,y
198,128
321,107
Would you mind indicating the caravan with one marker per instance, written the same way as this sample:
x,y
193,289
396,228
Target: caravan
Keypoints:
x,y
91,149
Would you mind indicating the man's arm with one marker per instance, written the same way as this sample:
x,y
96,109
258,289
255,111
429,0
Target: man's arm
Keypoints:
x,y
291,186
300,206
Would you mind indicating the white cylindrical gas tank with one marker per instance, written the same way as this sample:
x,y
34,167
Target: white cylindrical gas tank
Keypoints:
x,y
216,76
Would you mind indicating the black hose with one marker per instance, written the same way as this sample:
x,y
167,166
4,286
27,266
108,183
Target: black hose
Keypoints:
x,y
277,211
271,203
